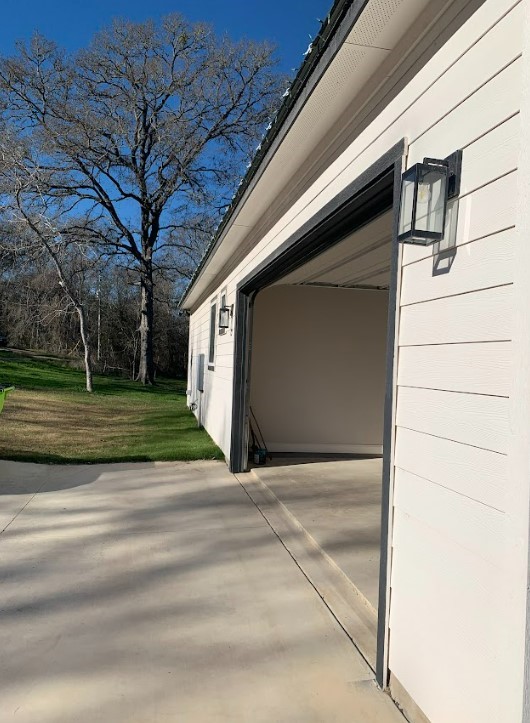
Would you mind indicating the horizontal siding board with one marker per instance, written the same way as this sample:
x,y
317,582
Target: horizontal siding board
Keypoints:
x,y
482,122
224,375
477,473
478,316
484,59
473,419
441,636
473,368
477,265
449,53
214,378
494,154
475,527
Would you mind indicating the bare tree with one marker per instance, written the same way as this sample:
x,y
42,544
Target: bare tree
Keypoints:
x,y
145,131
35,240
34,312
36,223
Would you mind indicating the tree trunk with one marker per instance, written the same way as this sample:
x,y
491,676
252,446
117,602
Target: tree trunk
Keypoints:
x,y
99,319
86,344
146,366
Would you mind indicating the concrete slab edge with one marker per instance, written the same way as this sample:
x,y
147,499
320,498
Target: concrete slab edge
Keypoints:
x,y
350,608
405,703
311,540
346,603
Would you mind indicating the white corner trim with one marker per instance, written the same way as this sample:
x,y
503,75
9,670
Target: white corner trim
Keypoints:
x,y
518,510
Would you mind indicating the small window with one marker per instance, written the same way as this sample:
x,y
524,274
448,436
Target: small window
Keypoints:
x,y
213,325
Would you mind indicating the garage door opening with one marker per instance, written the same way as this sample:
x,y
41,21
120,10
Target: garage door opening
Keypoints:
x,y
339,270
317,392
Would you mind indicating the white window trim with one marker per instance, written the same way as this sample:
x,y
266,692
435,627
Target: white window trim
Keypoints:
x,y
212,336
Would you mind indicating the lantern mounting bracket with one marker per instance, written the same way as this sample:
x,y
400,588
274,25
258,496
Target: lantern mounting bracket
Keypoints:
x,y
454,172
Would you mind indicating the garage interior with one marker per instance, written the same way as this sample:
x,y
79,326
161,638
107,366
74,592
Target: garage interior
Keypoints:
x,y
317,390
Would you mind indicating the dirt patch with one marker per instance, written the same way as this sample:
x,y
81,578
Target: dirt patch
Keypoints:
x,y
42,422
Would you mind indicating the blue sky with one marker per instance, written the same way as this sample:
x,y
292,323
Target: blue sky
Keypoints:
x,y
288,23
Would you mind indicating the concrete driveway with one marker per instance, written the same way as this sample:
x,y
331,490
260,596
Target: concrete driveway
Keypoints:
x,y
158,592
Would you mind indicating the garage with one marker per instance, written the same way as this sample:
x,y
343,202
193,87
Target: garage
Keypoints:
x,y
317,395
434,417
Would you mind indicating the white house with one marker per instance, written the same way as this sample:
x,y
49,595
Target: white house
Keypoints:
x,y
345,340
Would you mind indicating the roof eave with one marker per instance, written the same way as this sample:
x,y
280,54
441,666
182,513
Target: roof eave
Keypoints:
x,y
342,10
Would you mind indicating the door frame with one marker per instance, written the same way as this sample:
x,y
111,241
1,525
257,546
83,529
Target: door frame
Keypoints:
x,y
373,192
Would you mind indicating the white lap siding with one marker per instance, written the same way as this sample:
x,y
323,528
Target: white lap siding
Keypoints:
x,y
456,626
212,406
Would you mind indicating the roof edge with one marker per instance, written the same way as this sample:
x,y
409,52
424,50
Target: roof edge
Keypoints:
x,y
314,56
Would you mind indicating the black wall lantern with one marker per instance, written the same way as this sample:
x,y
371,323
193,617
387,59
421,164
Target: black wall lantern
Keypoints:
x,y
425,190
225,314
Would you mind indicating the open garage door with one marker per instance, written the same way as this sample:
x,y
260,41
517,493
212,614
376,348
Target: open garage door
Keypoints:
x,y
318,366
315,336
317,393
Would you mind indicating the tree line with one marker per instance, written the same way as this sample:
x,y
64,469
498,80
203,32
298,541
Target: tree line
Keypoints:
x,y
35,313
116,163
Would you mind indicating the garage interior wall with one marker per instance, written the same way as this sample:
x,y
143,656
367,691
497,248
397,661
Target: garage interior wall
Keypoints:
x,y
318,368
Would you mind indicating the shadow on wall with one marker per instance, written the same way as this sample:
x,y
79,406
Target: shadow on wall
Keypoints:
x,y
445,251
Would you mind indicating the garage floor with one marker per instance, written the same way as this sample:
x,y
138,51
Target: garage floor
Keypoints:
x,y
338,502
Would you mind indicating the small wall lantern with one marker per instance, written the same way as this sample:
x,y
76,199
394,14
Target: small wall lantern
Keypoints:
x,y
425,190
225,314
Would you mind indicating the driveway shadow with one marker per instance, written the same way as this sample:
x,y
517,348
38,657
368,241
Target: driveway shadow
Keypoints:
x,y
23,478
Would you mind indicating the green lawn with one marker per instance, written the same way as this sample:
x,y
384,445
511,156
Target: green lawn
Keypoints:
x,y
50,418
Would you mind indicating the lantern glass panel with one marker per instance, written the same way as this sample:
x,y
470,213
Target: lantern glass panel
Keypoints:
x,y
431,200
224,317
406,211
